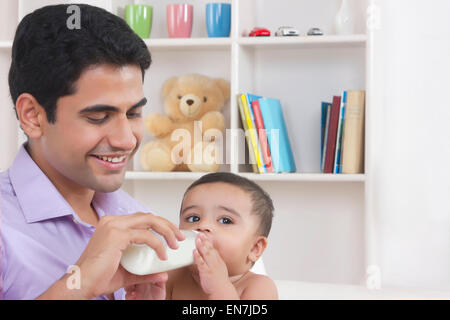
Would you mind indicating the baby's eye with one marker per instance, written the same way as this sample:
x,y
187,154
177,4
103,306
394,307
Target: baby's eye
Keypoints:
x,y
225,220
193,219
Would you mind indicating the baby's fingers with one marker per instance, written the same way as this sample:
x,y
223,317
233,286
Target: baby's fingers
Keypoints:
x,y
199,261
204,247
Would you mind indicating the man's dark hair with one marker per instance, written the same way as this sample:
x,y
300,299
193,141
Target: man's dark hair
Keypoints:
x,y
262,204
48,57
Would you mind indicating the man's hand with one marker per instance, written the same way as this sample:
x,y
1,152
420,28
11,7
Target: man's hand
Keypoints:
x,y
156,290
212,270
100,269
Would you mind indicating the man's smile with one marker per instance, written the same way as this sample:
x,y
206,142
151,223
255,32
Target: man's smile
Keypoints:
x,y
111,162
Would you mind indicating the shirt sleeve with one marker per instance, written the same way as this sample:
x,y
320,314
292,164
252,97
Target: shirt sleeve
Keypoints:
x,y
120,294
2,255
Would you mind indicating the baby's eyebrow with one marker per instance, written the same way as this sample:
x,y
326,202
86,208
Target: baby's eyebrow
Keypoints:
x,y
230,210
189,207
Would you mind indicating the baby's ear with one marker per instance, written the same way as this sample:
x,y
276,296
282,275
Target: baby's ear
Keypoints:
x,y
258,248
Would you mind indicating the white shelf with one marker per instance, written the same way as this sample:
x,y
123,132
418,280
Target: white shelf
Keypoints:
x,y
189,43
306,177
282,177
143,175
5,45
357,40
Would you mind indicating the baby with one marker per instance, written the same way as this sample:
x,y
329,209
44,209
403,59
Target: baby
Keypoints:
x,y
234,217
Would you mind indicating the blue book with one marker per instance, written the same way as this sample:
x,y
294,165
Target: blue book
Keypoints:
x,y
250,99
337,159
277,136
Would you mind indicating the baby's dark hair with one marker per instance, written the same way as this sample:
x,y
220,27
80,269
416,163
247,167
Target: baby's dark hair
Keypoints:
x,y
262,203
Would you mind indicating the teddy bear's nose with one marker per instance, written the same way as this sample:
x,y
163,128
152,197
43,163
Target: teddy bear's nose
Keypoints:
x,y
190,102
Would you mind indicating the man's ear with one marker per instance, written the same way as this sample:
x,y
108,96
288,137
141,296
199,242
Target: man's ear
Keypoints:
x,y
258,248
31,115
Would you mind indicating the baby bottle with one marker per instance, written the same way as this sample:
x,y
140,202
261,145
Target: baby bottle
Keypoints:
x,y
140,259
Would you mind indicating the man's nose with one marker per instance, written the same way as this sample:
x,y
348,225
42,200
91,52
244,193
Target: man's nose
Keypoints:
x,y
122,136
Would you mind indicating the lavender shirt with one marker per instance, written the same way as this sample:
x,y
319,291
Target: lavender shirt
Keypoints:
x,y
41,235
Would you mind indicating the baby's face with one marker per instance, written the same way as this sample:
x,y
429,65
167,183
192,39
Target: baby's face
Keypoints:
x,y
223,212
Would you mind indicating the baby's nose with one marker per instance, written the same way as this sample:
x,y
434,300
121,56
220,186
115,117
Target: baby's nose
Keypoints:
x,y
205,229
204,226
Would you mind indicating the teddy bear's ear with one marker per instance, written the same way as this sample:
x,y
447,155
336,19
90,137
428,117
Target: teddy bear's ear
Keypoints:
x,y
168,85
224,86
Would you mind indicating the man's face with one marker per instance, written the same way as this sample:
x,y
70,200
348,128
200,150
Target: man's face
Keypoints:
x,y
101,121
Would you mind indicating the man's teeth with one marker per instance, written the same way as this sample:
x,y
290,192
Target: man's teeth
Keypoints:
x,y
113,160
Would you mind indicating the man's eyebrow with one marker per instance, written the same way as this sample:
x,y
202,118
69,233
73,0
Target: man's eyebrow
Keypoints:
x,y
189,207
230,210
105,108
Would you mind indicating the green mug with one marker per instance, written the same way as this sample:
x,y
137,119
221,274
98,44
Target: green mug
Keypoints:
x,y
139,17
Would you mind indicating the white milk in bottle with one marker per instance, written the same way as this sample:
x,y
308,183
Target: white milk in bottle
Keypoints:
x,y
140,259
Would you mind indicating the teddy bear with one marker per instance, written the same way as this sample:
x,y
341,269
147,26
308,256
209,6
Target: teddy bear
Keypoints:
x,y
192,104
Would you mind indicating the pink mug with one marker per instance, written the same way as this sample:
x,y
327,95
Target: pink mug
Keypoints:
x,y
179,20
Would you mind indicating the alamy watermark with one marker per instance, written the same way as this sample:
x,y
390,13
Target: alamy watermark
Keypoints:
x,y
74,280
373,15
208,147
373,280
74,20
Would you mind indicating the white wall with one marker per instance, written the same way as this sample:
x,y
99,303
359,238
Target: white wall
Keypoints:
x,y
409,138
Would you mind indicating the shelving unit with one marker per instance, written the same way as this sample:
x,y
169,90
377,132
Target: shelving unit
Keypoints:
x,y
321,227
145,175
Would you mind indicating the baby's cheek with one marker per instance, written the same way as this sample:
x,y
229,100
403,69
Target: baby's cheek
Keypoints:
x,y
225,251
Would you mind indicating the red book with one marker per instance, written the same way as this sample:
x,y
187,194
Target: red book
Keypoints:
x,y
262,136
332,133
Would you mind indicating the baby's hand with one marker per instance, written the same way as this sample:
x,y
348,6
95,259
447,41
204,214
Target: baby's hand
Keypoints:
x,y
212,269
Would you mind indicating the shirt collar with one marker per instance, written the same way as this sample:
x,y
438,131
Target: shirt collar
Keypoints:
x,y
39,198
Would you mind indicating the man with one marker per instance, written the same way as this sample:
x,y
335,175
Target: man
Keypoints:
x,y
78,96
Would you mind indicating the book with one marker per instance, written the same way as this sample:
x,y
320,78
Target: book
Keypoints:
x,y
325,137
332,133
262,136
251,153
253,134
353,140
250,99
324,125
337,157
278,139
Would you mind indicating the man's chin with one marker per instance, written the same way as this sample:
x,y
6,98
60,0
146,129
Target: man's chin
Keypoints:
x,y
108,184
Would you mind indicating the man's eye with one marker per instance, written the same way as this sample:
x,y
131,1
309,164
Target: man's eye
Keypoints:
x,y
98,120
193,219
225,220
135,115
